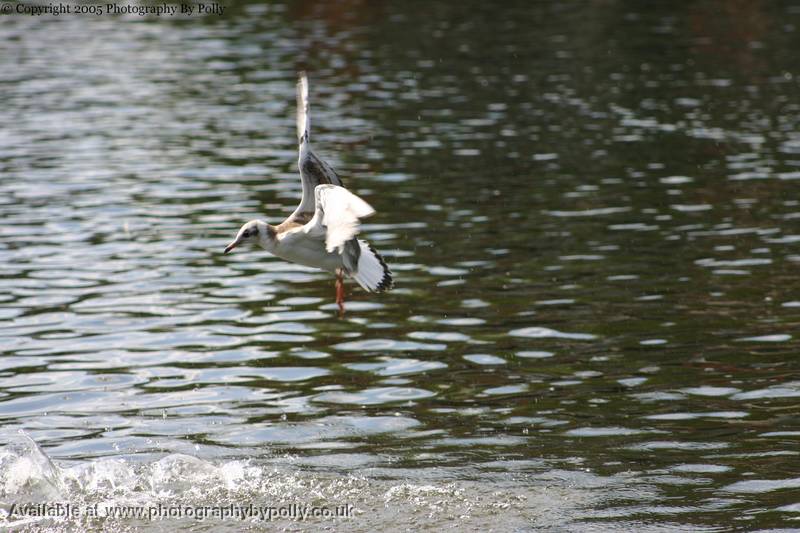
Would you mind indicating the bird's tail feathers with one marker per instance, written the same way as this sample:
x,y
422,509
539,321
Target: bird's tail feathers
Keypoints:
x,y
372,274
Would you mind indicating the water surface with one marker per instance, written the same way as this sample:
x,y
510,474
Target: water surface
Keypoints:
x,y
591,210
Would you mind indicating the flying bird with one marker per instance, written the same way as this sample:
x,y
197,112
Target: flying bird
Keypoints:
x,y
322,231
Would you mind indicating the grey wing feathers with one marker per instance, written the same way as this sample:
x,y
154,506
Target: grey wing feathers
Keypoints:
x,y
303,126
313,170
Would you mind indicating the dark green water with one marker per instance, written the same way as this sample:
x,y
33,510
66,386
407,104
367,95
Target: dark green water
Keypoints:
x,y
591,209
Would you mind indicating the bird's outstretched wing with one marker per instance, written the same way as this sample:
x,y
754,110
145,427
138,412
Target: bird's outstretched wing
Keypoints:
x,y
336,216
313,170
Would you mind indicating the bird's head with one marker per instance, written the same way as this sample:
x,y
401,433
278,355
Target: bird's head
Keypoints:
x,y
253,232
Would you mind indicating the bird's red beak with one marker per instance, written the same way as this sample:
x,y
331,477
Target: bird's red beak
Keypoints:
x,y
232,245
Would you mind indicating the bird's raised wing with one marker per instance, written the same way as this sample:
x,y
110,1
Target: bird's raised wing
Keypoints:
x,y
313,170
336,217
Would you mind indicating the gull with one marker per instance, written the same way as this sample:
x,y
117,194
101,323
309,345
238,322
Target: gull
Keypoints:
x,y
321,232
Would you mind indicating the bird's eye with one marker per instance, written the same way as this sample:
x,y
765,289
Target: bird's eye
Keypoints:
x,y
245,234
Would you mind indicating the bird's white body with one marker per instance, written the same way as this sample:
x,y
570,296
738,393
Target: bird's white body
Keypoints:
x,y
296,247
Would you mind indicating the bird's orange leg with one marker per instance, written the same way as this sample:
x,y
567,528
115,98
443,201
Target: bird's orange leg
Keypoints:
x,y
340,291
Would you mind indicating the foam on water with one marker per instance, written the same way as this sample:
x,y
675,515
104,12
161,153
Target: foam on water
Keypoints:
x,y
160,485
